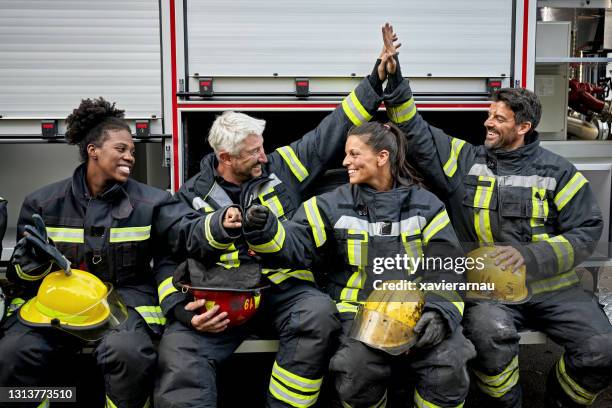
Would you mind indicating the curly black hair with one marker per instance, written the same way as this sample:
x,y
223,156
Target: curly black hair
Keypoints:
x,y
90,122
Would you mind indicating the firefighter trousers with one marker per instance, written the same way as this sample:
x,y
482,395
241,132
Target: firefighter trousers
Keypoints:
x,y
572,318
306,321
38,357
361,374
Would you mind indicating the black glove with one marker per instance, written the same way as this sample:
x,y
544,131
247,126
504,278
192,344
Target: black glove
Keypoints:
x,y
35,250
256,216
431,329
182,315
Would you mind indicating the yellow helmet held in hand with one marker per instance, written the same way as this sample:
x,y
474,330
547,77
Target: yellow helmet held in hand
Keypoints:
x,y
80,304
508,287
387,318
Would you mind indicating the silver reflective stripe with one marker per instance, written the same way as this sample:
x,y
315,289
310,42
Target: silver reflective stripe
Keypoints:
x,y
268,185
409,225
296,381
219,195
292,398
355,110
480,170
130,234
199,203
534,180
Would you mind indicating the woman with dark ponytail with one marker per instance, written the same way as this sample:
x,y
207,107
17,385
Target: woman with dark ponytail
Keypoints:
x,y
107,225
368,229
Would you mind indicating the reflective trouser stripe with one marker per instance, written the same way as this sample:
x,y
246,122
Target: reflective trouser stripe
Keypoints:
x,y
450,167
209,237
152,314
435,225
555,283
293,389
564,251
571,387
402,113
482,201
165,289
74,235
354,110
569,190
452,297
498,385
14,305
130,234
275,244
315,221
295,165
380,404
421,402
30,278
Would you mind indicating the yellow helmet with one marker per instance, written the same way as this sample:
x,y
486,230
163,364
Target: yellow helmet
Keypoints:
x,y
387,318
508,287
80,304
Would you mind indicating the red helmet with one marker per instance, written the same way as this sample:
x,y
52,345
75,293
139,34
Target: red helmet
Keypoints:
x,y
240,304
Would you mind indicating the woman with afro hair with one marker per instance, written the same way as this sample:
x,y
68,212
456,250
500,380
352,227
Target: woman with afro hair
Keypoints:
x,y
117,229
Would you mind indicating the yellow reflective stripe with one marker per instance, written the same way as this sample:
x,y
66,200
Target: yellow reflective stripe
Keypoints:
x,y
74,235
295,165
63,317
280,392
44,404
130,234
564,251
450,167
316,222
345,307
482,201
357,248
414,248
165,289
421,402
109,403
147,403
402,113
498,385
452,297
574,390
273,203
539,212
14,305
302,274
295,381
209,237
277,277
231,258
435,225
353,285
569,191
30,278
274,245
355,111
554,283
151,314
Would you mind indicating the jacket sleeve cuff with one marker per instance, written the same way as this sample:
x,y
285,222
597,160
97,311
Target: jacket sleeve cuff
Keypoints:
x,y
265,234
219,232
398,95
447,309
168,304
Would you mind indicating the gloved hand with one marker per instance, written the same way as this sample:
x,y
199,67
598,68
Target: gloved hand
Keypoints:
x,y
35,250
431,329
256,216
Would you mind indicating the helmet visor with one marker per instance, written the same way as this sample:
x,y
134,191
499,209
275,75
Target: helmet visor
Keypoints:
x,y
382,332
103,316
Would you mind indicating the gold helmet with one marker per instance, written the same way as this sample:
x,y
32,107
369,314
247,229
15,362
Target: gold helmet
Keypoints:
x,y
80,304
387,318
507,286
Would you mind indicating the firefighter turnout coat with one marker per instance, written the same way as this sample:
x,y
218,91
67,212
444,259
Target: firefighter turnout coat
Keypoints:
x,y
529,198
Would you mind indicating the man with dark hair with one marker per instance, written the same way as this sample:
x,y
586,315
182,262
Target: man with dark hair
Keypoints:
x,y
539,212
